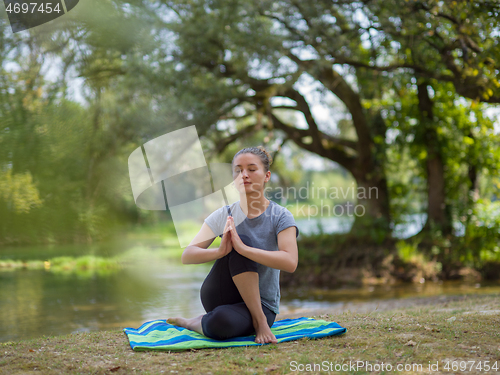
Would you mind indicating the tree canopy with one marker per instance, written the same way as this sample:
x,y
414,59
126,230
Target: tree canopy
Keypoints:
x,y
410,83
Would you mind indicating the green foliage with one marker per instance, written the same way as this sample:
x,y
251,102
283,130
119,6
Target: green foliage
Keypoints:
x,y
412,264
406,250
152,67
467,142
480,244
452,41
19,192
343,249
85,266
63,164
44,191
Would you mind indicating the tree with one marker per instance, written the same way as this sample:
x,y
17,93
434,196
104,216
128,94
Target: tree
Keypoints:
x,y
220,43
441,42
465,141
58,159
355,50
448,41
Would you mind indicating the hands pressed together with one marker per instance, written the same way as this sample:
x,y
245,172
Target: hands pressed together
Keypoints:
x,y
230,239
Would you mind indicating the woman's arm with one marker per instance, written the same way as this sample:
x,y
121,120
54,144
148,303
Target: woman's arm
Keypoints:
x,y
285,259
197,251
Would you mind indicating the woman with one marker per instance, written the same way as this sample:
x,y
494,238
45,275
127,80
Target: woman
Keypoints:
x,y
241,292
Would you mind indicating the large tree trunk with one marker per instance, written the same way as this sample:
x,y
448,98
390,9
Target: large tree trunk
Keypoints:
x,y
438,212
473,191
371,179
368,167
373,198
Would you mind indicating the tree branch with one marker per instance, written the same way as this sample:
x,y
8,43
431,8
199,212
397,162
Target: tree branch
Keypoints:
x,y
295,108
221,144
353,145
391,67
275,153
297,135
304,108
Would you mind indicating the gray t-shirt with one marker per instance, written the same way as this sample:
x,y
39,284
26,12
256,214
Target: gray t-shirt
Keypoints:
x,y
263,232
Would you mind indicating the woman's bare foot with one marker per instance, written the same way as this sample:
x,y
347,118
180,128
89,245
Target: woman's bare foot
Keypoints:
x,y
193,324
263,334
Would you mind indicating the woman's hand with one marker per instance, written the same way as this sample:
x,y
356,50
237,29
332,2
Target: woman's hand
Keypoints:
x,y
236,241
225,244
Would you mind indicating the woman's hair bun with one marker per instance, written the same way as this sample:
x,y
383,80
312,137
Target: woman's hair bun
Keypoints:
x,y
269,157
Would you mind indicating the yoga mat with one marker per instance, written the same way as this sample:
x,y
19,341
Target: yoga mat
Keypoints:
x,y
160,335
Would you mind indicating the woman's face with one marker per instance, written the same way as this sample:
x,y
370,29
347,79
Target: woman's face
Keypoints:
x,y
249,174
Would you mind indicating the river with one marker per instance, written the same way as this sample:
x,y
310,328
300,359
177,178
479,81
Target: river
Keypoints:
x,y
34,303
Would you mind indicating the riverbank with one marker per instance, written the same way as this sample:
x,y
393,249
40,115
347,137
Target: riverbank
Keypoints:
x,y
440,331
335,260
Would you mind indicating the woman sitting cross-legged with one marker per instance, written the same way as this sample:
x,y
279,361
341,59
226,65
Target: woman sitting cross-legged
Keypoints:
x,y
241,293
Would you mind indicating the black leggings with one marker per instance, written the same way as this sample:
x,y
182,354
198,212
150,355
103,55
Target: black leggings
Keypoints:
x,y
227,315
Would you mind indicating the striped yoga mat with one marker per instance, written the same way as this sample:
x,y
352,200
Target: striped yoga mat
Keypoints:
x,y
159,335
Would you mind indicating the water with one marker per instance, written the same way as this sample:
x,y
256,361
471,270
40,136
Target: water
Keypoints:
x,y
37,303
342,224
339,224
34,303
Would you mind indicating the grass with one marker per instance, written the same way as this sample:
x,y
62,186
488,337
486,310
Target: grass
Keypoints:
x,y
84,265
453,329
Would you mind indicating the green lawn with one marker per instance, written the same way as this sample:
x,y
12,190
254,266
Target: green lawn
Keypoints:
x,y
459,333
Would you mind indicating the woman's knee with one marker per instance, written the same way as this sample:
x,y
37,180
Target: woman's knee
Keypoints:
x,y
239,264
223,323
